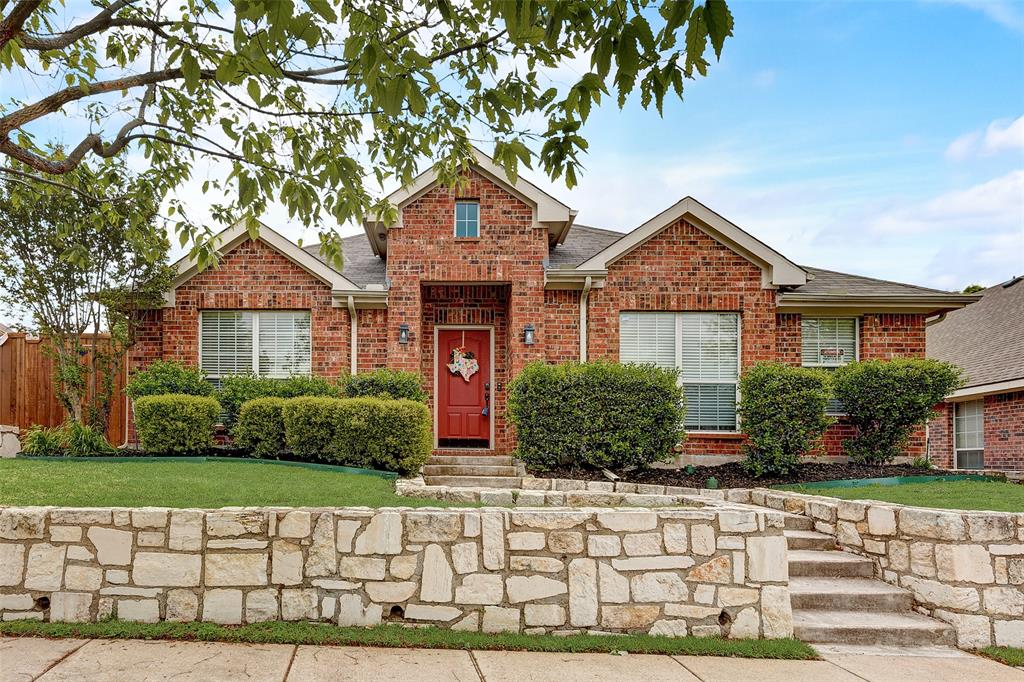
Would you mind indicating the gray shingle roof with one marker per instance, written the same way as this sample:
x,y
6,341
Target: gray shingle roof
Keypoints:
x,y
831,283
581,243
985,338
360,264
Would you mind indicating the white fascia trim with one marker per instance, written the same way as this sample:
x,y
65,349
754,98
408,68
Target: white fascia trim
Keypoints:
x,y
778,270
821,304
228,239
971,392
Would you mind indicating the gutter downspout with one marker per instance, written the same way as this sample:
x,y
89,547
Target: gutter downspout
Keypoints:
x,y
584,298
354,330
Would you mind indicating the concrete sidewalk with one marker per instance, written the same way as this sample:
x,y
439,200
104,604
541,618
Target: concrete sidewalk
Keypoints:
x,y
24,659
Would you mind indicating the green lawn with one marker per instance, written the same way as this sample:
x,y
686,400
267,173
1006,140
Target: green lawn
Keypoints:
x,y
974,495
1005,654
189,484
420,638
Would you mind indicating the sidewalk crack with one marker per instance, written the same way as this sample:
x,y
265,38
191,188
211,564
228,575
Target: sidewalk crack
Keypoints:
x,y
62,658
479,673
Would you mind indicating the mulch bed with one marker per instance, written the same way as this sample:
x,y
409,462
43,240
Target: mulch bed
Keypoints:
x,y
733,475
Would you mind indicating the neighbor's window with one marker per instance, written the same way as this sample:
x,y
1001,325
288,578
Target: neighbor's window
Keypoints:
x,y
828,342
706,349
467,218
273,344
969,434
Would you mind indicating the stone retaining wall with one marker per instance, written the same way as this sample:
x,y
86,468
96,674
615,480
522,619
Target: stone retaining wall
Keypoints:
x,y
965,568
700,571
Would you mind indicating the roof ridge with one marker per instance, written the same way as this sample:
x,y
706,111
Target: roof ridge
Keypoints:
x,y
813,268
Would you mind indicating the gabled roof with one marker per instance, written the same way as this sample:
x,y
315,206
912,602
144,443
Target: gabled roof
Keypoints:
x,y
231,237
777,269
360,264
548,211
986,338
838,292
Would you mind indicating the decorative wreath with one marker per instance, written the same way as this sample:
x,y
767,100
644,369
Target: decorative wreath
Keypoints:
x,y
462,361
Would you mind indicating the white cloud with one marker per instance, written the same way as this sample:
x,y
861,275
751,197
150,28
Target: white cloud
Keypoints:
x,y
1001,135
1007,13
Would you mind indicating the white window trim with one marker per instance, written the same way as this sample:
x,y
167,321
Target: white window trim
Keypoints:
x,y
255,339
956,450
455,218
856,339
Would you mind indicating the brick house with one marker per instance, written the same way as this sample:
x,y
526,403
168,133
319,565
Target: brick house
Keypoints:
x,y
493,275
981,426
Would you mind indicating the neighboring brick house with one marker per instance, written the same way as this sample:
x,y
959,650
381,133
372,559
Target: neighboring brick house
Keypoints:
x,y
499,271
981,426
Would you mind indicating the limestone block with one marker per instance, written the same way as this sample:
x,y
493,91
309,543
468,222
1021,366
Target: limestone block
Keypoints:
x,y
745,625
549,520
383,535
653,563
113,547
335,585
23,615
433,526
737,521
642,544
1006,550
436,585
465,557
222,606
1006,601
1009,633
593,498
480,588
550,615
852,510
186,530
874,546
496,498
706,630
628,521
70,607
972,632
736,596
823,511
79,553
321,558
299,604
242,543
702,539
990,527
601,486
659,587
500,619
603,545
847,534
932,593
899,555
538,564
881,520
566,542
716,570
182,605
530,588
731,542
45,567
352,612
471,623
138,610
776,612
922,559
149,518
527,498
346,532
613,586
65,533
150,538
964,563
116,576
403,567
443,614
16,602
704,594
12,564
668,628
471,524
294,524
583,592
691,611
328,607
363,568
125,591
929,523
767,558
84,516
493,538
391,593
525,540
232,523
286,563
675,538
83,578
628,616
235,569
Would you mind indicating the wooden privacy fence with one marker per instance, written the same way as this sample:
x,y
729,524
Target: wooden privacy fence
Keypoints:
x,y
27,395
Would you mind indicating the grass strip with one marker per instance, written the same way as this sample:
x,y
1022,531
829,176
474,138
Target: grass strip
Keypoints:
x,y
397,636
1009,655
966,495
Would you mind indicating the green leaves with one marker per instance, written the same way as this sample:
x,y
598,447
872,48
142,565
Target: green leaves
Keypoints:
x,y
718,19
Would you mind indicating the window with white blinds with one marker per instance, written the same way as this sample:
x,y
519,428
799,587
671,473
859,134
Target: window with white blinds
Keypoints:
x,y
828,342
706,349
274,344
969,434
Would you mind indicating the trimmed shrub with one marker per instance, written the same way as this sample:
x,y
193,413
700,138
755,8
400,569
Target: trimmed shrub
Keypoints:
x,y
166,377
176,424
70,439
392,435
237,389
783,413
385,383
599,414
886,400
260,427
309,426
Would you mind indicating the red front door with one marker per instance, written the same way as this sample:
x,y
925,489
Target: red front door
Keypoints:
x,y
463,386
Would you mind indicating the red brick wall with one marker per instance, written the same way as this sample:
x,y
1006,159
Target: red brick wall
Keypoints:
x,y
683,269
372,344
1004,432
940,436
787,338
562,326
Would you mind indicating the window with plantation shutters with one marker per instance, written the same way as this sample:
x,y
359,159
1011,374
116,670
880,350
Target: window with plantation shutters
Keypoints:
x,y
828,342
705,348
969,434
274,344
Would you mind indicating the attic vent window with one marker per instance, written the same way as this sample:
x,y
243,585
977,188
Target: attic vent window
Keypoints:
x,y
467,219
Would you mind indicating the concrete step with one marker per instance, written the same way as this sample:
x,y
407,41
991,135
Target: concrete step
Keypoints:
x,y
475,481
798,522
807,562
467,470
809,539
474,460
847,594
864,627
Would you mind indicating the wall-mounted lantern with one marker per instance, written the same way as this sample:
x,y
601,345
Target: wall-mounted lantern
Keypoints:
x,y
403,334
529,336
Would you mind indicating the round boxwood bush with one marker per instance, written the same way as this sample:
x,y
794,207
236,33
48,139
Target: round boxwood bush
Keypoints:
x,y
166,377
176,424
783,414
260,427
238,388
385,383
598,414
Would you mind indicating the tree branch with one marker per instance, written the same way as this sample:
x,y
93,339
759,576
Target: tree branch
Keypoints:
x,y
61,40
11,25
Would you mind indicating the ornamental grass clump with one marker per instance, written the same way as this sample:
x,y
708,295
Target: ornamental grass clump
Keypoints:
x,y
70,439
886,400
782,409
597,414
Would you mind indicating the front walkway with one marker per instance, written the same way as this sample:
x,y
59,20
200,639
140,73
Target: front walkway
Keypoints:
x,y
25,659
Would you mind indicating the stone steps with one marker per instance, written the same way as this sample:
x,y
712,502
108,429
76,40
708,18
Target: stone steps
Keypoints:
x,y
432,470
475,481
809,539
847,594
867,627
472,460
831,564
797,522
